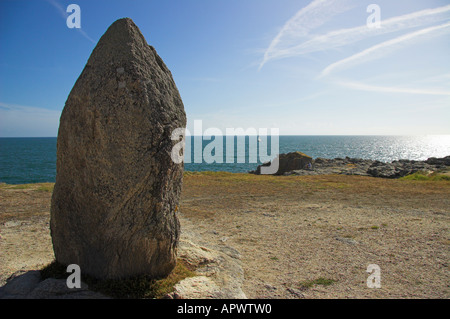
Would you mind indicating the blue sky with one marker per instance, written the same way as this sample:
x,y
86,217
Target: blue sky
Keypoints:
x,y
306,67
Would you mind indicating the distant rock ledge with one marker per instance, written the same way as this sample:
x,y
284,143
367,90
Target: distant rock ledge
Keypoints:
x,y
297,163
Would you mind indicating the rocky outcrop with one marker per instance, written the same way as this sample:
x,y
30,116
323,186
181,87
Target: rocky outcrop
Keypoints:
x,y
345,166
219,273
289,162
116,196
218,268
28,285
366,167
402,168
440,162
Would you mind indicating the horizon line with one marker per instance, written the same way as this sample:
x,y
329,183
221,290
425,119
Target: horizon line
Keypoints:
x,y
224,135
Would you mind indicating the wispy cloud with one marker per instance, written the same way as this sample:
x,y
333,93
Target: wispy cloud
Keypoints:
x,y
390,89
28,109
384,48
317,13
22,121
299,37
342,37
204,79
295,37
64,15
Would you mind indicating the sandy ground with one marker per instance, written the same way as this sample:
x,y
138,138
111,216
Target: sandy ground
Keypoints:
x,y
289,230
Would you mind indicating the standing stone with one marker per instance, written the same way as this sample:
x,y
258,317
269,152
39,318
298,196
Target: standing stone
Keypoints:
x,y
115,201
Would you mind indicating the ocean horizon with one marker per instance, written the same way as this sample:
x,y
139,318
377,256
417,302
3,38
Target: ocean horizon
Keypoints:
x,y
33,159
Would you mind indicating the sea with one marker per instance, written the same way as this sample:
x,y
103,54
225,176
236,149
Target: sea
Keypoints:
x,y
33,160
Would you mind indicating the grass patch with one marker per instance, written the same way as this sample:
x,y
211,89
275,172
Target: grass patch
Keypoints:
x,y
22,186
139,287
333,184
45,187
274,258
39,187
423,176
374,227
319,281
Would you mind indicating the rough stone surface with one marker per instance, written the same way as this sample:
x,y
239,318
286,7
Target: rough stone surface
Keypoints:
x,y
28,285
289,162
20,284
218,267
115,201
220,274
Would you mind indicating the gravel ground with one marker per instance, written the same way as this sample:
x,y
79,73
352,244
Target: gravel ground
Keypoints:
x,y
299,236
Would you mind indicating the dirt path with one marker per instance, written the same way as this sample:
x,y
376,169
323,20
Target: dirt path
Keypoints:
x,y
299,236
292,231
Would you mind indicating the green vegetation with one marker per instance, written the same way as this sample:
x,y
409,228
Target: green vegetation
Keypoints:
x,y
23,186
424,176
45,187
139,287
39,187
274,258
319,281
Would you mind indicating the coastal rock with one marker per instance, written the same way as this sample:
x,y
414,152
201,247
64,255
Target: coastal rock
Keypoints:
x,y
289,162
115,201
362,167
445,161
385,170
401,168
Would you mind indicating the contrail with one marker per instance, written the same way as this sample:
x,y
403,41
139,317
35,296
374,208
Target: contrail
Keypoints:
x,y
382,49
64,15
390,89
284,43
310,17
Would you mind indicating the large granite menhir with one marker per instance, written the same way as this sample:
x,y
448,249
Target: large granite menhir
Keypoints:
x,y
115,201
